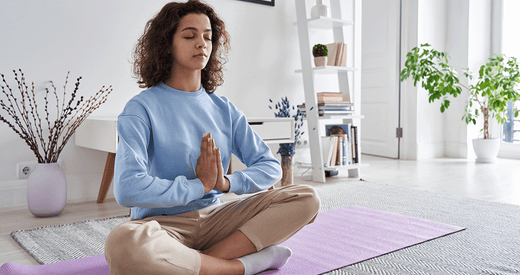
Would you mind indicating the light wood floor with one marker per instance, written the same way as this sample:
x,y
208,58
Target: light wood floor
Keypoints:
x,y
499,182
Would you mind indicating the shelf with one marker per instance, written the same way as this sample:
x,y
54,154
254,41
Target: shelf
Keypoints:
x,y
309,71
327,23
339,117
337,168
329,69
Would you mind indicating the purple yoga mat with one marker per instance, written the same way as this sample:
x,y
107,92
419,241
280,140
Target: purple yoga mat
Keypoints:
x,y
335,239
93,265
346,236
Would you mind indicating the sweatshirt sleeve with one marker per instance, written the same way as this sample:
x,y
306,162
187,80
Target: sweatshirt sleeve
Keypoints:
x,y
263,169
133,184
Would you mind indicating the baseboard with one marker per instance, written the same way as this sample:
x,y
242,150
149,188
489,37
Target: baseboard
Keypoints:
x,y
80,188
455,150
430,150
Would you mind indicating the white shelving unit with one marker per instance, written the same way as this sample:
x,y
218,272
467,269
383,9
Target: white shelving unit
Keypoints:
x,y
314,121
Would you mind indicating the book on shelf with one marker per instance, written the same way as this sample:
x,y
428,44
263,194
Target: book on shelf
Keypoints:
x,y
336,108
355,154
334,113
335,150
330,97
337,54
339,147
327,144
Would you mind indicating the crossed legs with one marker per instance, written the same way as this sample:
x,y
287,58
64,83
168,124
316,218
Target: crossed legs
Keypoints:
x,y
221,258
227,236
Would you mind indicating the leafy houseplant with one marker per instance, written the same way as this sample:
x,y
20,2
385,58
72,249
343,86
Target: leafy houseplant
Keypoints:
x,y
287,149
46,187
496,84
320,53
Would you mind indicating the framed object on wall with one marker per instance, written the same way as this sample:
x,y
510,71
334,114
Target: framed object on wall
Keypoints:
x,y
263,2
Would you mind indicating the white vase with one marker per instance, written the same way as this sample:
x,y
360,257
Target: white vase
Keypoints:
x,y
319,9
486,150
46,190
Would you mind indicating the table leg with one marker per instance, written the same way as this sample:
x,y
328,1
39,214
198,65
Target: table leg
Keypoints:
x,y
108,175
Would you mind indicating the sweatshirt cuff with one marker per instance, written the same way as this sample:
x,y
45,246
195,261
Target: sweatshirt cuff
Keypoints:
x,y
197,188
235,183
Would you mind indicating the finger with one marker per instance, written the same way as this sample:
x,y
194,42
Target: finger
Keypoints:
x,y
219,161
203,147
209,148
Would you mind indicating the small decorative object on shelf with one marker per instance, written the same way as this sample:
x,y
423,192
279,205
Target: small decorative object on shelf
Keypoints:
x,y
46,186
287,149
320,53
496,85
319,10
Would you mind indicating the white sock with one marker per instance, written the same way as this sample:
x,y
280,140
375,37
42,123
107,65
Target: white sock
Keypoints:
x,y
271,257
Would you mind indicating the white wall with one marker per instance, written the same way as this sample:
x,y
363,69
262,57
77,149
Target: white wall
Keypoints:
x,y
462,28
457,45
432,29
95,38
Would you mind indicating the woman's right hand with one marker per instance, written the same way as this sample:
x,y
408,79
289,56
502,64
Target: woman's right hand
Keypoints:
x,y
206,169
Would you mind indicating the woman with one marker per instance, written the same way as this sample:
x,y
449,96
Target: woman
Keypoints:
x,y
175,144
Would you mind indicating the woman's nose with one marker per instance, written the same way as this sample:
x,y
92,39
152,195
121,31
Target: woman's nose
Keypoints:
x,y
201,43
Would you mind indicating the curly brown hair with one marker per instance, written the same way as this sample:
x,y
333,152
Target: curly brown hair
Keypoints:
x,y
153,60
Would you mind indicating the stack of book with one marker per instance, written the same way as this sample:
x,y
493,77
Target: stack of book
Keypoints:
x,y
333,108
337,54
339,147
329,97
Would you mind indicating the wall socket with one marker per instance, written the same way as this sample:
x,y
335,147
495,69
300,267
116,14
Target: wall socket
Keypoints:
x,y
25,168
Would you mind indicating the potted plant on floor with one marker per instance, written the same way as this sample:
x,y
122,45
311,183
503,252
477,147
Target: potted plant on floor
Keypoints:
x,y
320,53
496,85
46,186
287,149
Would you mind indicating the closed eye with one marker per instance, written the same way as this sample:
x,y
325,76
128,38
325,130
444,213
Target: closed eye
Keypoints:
x,y
207,38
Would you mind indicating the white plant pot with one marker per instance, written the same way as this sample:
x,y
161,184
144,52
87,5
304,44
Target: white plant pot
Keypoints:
x,y
486,150
320,61
46,190
319,9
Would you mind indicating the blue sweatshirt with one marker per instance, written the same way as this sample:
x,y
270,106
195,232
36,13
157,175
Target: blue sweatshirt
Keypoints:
x,y
160,132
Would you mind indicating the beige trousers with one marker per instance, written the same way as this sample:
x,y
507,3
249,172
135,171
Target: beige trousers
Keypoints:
x,y
169,244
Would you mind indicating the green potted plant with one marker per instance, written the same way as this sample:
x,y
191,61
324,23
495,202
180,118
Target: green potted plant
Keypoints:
x,y
320,53
496,85
45,136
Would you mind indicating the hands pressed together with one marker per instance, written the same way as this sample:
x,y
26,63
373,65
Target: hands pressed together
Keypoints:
x,y
209,166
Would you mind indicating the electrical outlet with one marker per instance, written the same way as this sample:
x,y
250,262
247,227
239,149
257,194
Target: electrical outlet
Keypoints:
x,y
24,169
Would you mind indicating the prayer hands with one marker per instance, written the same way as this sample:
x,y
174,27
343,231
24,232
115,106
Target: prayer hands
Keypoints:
x,y
222,182
209,166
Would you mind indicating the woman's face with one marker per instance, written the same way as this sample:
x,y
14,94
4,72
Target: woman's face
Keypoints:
x,y
192,42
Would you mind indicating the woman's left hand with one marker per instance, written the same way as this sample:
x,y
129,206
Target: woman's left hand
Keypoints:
x,y
222,182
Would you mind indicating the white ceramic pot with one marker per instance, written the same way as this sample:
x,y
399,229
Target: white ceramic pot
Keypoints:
x,y
319,9
320,61
486,150
46,190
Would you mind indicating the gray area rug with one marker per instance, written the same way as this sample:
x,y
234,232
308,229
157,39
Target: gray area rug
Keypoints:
x,y
52,244
489,245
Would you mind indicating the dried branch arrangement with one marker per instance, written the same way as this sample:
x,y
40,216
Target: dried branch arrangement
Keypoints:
x,y
27,123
